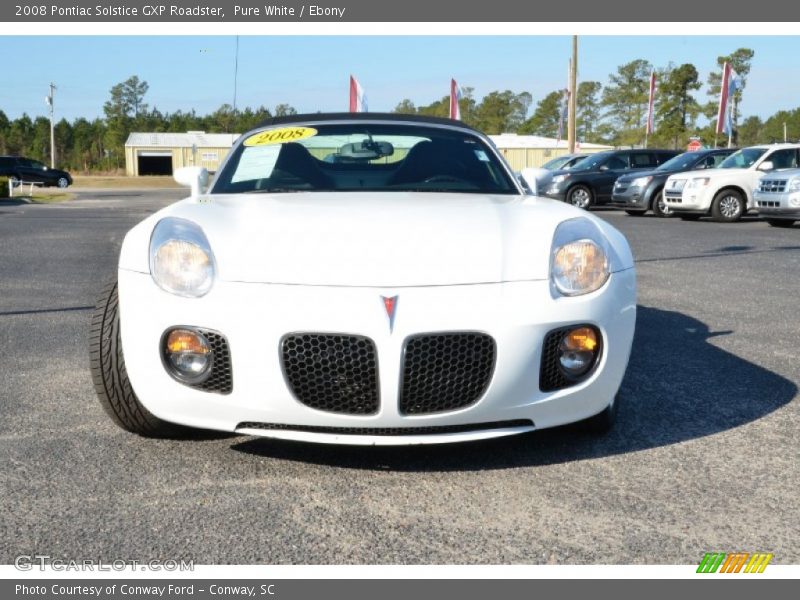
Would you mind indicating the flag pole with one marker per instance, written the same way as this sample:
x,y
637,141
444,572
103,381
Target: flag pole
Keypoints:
x,y
733,112
723,101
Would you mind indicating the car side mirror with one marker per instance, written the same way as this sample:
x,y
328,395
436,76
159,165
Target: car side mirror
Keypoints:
x,y
767,165
195,178
529,177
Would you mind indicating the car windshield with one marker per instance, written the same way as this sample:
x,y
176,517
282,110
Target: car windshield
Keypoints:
x,y
680,163
592,162
363,156
556,163
742,159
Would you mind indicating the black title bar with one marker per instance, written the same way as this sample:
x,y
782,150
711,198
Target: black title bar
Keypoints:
x,y
496,11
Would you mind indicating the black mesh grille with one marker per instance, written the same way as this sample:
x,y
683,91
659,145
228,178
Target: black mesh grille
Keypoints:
x,y
332,372
389,431
551,377
445,371
221,379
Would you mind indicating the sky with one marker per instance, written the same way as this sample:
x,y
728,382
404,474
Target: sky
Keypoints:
x,y
311,72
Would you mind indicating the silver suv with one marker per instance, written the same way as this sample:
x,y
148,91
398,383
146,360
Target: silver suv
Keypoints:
x,y
777,197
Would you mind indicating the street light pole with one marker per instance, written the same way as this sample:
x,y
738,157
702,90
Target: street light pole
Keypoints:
x,y
49,100
235,74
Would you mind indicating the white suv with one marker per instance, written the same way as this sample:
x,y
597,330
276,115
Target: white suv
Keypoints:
x,y
778,198
726,193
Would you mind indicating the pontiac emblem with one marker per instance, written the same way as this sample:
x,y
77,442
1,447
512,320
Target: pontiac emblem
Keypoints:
x,y
390,304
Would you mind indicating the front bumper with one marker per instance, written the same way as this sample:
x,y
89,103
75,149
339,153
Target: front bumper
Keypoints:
x,y
692,200
556,193
255,317
627,197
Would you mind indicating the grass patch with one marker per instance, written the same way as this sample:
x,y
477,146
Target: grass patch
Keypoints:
x,y
123,182
50,198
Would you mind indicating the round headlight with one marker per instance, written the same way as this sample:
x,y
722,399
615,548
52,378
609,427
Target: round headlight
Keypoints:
x,y
579,267
188,354
183,268
181,261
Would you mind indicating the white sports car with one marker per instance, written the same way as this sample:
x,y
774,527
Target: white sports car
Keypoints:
x,y
365,279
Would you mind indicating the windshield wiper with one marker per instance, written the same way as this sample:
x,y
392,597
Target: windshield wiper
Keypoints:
x,y
276,190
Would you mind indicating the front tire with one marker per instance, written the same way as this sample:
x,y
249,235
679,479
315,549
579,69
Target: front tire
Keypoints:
x,y
62,182
580,196
659,207
602,422
728,206
111,379
782,223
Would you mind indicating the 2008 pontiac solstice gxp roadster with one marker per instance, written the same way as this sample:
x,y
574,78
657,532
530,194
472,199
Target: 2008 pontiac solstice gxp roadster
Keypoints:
x,y
365,279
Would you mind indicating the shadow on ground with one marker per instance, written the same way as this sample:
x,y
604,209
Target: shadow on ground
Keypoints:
x,y
678,387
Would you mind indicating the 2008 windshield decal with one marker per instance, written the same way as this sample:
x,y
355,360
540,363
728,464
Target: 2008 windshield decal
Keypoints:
x,y
280,136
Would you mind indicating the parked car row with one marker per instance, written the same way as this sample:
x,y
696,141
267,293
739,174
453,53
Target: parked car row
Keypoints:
x,y
591,181
728,192
19,169
724,183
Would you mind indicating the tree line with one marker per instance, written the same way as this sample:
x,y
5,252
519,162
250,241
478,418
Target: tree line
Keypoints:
x,y
613,113
616,113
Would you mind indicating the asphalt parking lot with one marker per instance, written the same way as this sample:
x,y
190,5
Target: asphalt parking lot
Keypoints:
x,y
704,457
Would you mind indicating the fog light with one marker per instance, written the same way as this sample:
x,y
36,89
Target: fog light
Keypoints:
x,y
187,354
578,351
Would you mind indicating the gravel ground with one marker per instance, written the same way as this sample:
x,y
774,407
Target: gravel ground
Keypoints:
x,y
704,457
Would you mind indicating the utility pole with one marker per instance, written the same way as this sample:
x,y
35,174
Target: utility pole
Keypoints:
x,y
49,100
573,95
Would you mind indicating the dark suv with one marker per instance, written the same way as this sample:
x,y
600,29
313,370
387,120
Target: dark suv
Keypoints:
x,y
636,192
27,170
589,182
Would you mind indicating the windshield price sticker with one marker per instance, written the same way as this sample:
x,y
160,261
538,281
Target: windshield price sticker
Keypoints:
x,y
280,136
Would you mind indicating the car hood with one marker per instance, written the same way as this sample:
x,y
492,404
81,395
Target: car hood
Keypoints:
x,y
712,173
653,173
372,239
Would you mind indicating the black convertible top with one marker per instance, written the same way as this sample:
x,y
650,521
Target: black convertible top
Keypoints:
x,y
368,116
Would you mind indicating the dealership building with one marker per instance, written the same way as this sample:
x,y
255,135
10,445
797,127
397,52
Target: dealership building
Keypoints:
x,y
162,153
522,151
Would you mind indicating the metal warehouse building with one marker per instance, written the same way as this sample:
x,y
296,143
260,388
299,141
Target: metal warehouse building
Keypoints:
x,y
162,153
522,151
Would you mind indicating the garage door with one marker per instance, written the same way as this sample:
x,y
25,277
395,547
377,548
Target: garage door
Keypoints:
x,y
154,163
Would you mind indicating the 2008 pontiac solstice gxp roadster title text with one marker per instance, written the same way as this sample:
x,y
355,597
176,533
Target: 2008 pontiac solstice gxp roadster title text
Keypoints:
x,y
365,279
